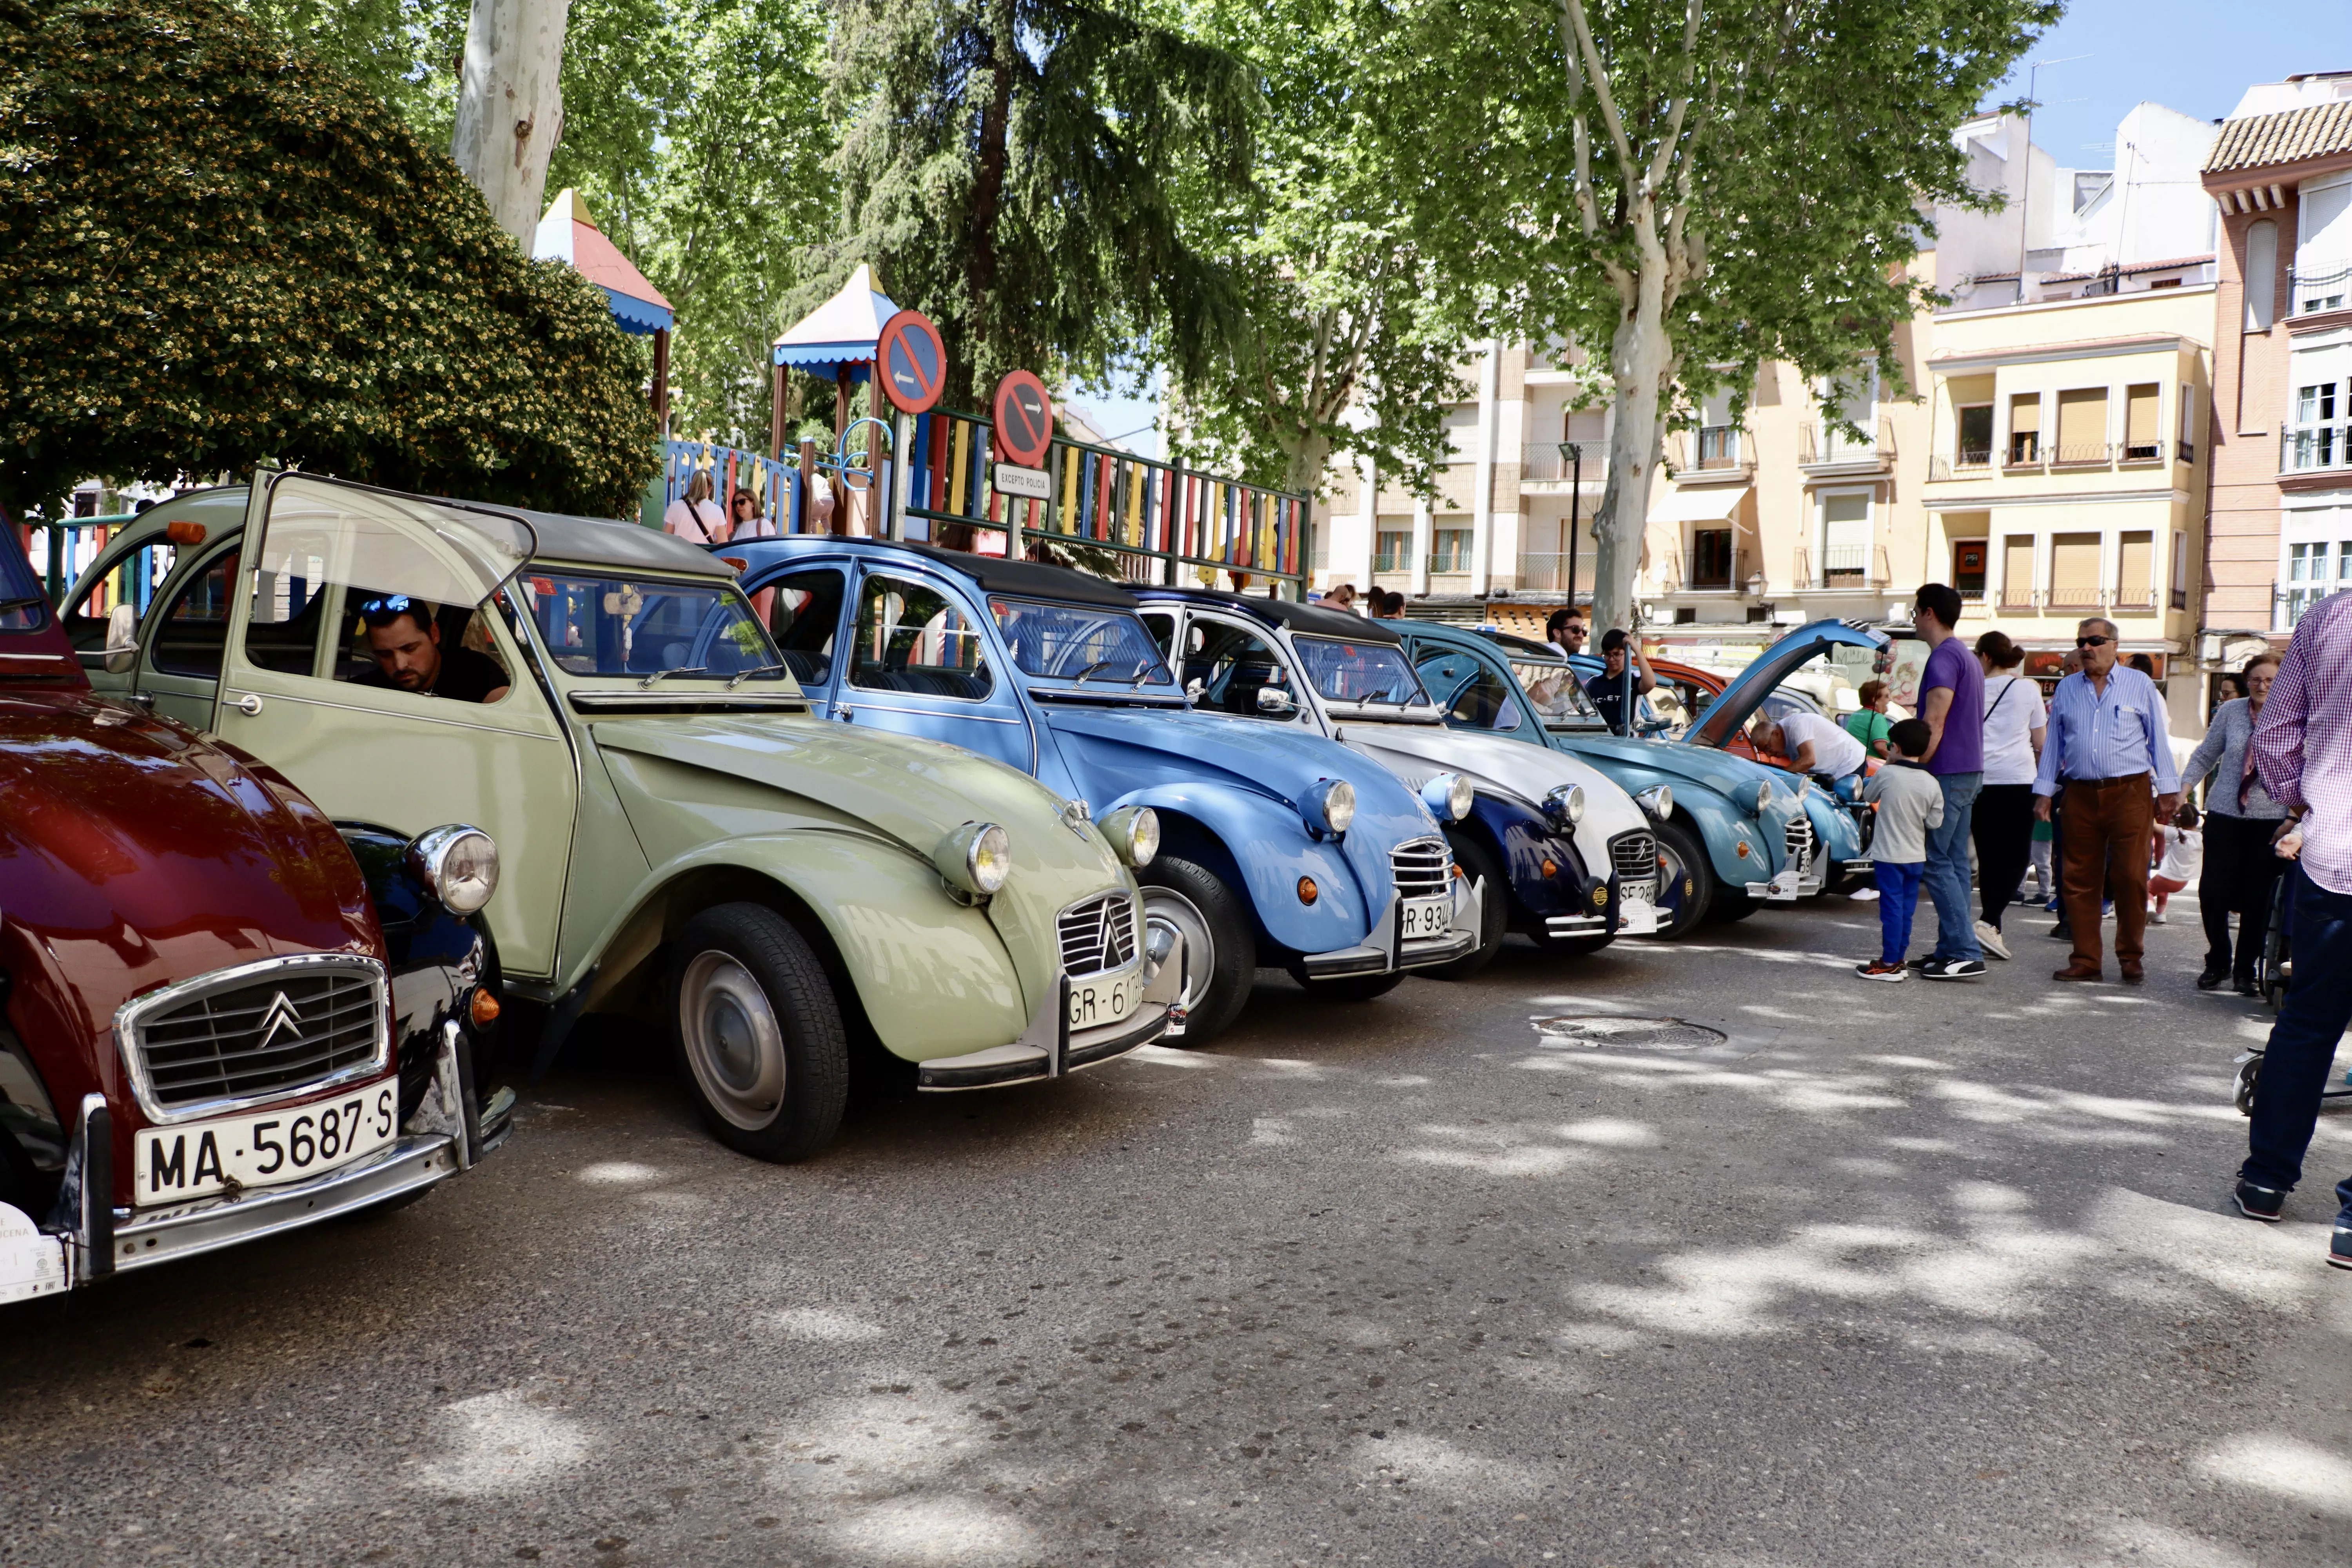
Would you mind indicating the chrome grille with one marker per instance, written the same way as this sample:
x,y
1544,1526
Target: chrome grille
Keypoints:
x,y
1423,869
258,1032
1097,935
1634,856
1800,839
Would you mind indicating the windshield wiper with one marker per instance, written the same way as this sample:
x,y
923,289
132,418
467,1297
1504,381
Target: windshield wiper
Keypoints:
x,y
1143,667
1080,679
648,683
741,676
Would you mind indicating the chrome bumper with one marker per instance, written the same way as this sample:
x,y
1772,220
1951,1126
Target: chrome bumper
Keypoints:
x,y
189,1229
1050,1048
1385,948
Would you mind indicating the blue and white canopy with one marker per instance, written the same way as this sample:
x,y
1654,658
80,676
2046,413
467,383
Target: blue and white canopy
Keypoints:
x,y
839,334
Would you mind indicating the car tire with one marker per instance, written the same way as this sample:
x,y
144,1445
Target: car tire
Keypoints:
x,y
1191,898
757,1032
1685,854
1729,905
1350,987
1477,862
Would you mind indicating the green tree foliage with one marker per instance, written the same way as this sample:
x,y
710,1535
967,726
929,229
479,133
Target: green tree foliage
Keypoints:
x,y
695,128
1694,185
215,249
1006,166
1340,345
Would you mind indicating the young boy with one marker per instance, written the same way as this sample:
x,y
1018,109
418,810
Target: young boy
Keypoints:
x,y
1909,802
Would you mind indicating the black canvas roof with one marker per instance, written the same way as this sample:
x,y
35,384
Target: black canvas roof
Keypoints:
x,y
1312,619
1027,579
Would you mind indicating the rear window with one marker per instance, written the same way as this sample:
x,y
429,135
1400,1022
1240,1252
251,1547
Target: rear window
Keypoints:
x,y
22,607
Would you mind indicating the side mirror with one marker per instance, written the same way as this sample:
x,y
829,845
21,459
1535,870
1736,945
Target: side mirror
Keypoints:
x,y
121,639
1192,689
1273,700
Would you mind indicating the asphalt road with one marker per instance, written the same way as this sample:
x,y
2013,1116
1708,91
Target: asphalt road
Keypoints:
x,y
1901,1274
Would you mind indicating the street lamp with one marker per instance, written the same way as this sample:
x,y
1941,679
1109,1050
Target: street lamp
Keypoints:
x,y
1574,452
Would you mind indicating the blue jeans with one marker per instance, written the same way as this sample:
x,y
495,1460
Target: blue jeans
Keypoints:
x,y
2311,1022
1898,896
1948,869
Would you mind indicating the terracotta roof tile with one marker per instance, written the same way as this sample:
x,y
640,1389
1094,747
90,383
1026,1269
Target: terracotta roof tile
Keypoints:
x,y
2262,141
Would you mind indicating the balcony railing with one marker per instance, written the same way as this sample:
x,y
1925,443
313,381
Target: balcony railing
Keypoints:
x,y
1543,461
2024,450
2017,600
1856,566
2075,599
2323,290
1825,445
2309,449
2083,455
1961,466
1545,571
1672,578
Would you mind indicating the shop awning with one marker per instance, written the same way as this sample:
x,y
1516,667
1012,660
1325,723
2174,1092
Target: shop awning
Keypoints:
x,y
841,332
1699,503
569,235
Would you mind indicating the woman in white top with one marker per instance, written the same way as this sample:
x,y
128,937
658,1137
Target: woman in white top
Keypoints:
x,y
694,517
2180,851
2002,825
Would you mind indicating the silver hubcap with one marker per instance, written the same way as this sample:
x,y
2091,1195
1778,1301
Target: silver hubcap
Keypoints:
x,y
1165,909
733,1042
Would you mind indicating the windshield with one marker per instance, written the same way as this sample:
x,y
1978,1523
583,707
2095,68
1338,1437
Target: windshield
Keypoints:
x,y
641,626
22,608
1358,672
1080,642
1556,694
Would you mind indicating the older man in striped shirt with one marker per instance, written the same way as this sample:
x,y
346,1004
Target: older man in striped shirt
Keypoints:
x,y
2303,748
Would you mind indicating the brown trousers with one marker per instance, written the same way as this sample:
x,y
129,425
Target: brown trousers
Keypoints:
x,y
2104,828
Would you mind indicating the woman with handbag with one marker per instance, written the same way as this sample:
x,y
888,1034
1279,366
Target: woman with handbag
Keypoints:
x,y
2241,818
2003,826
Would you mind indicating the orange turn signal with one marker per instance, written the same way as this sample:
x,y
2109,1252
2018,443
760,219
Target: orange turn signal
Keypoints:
x,y
1308,892
485,1008
184,532
1551,868
737,562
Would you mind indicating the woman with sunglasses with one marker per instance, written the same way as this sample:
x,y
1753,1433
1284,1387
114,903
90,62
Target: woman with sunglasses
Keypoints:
x,y
2240,871
745,518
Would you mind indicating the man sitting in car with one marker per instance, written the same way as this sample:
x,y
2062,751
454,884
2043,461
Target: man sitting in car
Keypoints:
x,y
404,635
1812,743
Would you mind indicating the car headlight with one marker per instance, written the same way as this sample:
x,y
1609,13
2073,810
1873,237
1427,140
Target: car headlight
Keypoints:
x,y
1658,800
1134,833
1448,797
1330,808
1565,803
975,858
458,866
1763,794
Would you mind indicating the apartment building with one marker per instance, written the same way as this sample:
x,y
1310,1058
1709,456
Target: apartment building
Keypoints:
x,y
2012,445
2279,174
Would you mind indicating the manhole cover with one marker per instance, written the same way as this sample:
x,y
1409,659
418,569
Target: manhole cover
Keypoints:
x,y
1593,1032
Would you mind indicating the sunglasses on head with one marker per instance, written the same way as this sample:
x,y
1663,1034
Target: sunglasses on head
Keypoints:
x,y
386,608
2093,642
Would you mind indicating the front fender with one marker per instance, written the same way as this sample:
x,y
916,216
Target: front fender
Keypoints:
x,y
1264,847
933,977
1526,841
1727,831
437,960
1834,827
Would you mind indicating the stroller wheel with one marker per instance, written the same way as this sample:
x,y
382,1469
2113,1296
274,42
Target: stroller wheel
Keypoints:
x,y
2250,1071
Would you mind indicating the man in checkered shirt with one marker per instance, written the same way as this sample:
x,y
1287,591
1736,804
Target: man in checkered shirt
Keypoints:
x,y
2302,750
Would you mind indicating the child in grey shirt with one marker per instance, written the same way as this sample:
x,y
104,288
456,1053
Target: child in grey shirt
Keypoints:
x,y
1908,802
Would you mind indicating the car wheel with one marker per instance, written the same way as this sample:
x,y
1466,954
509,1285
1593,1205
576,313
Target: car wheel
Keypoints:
x,y
1687,884
1572,946
1730,906
757,1032
1350,987
1495,909
1220,949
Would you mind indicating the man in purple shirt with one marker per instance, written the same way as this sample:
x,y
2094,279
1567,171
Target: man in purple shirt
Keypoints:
x,y
2303,748
1951,700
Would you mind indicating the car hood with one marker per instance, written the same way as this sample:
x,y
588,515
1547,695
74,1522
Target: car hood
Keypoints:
x,y
912,791
134,853
1729,713
1135,748
1727,775
1497,765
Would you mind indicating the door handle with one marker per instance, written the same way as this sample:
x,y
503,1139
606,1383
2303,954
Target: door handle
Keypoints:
x,y
145,699
844,714
249,705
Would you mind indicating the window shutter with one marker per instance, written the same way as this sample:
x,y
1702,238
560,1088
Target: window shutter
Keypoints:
x,y
2075,570
2135,570
2139,420
2081,424
2017,569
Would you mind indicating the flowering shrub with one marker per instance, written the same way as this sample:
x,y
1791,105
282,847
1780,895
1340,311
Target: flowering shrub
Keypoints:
x,y
216,251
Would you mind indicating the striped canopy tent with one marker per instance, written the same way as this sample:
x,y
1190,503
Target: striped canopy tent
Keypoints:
x,y
567,234
835,341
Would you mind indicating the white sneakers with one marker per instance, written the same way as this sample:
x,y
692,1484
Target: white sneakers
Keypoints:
x,y
1989,939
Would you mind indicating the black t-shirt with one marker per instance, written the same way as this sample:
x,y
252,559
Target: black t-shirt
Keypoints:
x,y
1608,694
466,677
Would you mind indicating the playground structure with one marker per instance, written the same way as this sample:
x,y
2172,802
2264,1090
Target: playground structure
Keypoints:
x,y
932,477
